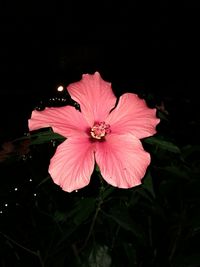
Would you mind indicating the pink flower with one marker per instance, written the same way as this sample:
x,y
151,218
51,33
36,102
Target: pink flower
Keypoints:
x,y
97,134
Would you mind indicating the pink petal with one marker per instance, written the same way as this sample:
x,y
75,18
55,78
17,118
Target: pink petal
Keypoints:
x,y
73,163
122,160
66,121
133,116
95,97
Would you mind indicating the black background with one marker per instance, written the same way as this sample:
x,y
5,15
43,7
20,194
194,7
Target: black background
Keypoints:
x,y
152,50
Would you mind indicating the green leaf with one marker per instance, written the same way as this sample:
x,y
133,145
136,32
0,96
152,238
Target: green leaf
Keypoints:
x,y
60,217
44,181
99,257
148,184
107,192
162,116
162,144
190,149
41,137
97,168
187,260
45,138
174,172
82,210
123,219
131,253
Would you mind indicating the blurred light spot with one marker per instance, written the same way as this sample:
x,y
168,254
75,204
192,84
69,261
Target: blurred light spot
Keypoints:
x,y
60,88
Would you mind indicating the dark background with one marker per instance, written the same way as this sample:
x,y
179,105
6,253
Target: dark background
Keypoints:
x,y
151,51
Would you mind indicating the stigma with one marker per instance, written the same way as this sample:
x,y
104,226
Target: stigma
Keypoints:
x,y
100,130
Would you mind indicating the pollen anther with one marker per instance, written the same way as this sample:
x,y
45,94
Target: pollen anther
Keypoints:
x,y
99,130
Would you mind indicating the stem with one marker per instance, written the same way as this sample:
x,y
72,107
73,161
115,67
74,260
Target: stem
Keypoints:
x,y
99,203
115,237
178,235
150,231
174,246
35,253
76,253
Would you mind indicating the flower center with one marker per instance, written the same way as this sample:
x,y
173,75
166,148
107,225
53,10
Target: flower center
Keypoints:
x,y
99,130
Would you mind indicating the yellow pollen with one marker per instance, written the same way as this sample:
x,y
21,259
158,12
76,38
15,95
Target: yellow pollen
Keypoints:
x,y
99,130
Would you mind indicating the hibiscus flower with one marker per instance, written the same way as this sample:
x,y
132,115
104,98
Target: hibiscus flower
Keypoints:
x,y
100,133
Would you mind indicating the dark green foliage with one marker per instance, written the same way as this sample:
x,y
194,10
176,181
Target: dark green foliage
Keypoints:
x,y
155,224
